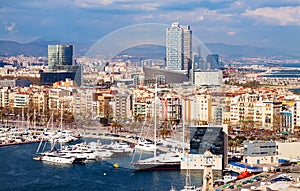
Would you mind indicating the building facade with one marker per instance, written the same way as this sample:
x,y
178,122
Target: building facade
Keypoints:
x,y
260,152
207,77
213,138
178,47
59,56
61,66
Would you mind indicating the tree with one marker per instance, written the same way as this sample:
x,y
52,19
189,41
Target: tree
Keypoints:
x,y
165,132
115,126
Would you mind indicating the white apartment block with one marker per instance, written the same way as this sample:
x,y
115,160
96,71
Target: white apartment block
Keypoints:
x,y
83,103
121,105
297,113
202,108
234,111
21,100
4,96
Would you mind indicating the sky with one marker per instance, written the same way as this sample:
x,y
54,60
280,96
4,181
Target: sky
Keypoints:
x,y
263,23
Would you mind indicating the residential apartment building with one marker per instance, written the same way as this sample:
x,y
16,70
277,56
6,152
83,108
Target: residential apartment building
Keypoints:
x,y
21,99
271,114
4,96
122,105
104,109
84,104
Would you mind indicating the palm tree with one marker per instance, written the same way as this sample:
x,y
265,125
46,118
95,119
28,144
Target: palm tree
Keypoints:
x,y
116,125
165,132
230,143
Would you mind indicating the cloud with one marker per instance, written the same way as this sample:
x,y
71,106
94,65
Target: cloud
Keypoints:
x,y
282,16
200,18
197,15
231,33
145,17
92,3
10,27
118,4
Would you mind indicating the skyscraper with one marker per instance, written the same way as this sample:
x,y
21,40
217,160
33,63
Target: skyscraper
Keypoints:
x,y
61,66
60,56
212,61
178,47
187,48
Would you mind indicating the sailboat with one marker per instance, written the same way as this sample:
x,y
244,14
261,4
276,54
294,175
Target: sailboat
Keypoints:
x,y
145,145
62,136
165,161
53,156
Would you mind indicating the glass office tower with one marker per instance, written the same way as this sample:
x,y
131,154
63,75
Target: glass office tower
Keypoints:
x,y
61,66
178,47
174,47
60,56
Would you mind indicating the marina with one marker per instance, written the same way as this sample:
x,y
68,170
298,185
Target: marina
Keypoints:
x,y
97,175
114,168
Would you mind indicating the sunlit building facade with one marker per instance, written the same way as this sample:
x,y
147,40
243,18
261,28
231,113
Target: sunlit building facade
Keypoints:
x,y
178,47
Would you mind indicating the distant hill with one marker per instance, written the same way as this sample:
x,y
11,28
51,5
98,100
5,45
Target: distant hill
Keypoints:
x,y
225,50
39,48
146,51
234,51
10,48
36,48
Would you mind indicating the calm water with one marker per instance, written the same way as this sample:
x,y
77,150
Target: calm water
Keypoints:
x,y
18,171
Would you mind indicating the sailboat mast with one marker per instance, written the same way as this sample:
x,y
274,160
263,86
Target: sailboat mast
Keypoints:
x,y
52,121
61,116
188,176
155,96
23,117
34,118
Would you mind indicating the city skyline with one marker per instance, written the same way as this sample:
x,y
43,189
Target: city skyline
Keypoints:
x,y
260,23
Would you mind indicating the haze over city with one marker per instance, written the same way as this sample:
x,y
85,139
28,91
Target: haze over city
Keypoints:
x,y
256,23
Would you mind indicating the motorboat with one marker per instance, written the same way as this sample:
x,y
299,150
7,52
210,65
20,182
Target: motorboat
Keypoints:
x,y
57,158
244,174
226,179
145,146
191,188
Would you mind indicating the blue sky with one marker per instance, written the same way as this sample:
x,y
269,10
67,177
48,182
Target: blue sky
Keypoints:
x,y
264,23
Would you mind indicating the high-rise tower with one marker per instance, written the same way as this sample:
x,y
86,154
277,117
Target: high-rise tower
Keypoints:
x,y
187,48
60,56
61,66
178,47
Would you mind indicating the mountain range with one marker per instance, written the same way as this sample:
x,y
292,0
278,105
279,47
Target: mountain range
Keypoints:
x,y
39,48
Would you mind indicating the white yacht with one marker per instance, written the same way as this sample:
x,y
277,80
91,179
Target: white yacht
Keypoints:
x,y
57,158
80,150
145,146
226,179
191,188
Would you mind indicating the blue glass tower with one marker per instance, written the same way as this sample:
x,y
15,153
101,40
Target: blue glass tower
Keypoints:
x,y
61,66
178,47
59,57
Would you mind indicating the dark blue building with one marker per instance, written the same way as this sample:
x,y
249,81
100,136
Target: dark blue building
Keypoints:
x,y
213,138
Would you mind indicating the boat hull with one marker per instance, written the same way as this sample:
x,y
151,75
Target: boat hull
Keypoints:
x,y
157,166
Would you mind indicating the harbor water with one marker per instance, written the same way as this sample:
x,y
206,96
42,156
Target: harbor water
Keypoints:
x,y
18,171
